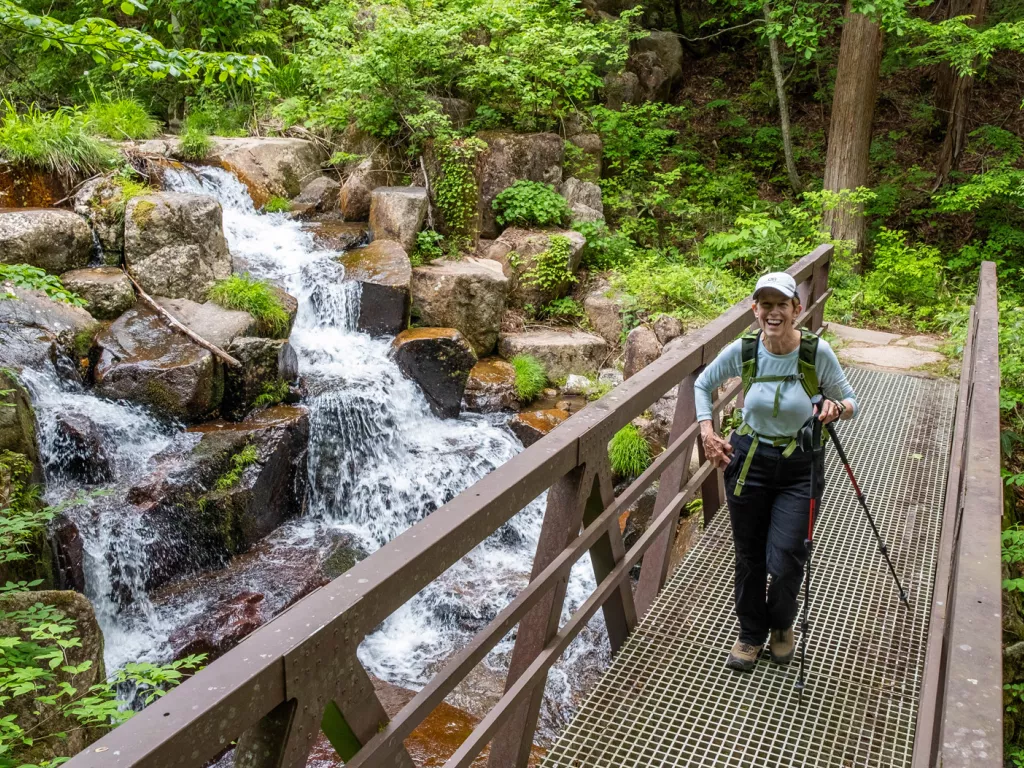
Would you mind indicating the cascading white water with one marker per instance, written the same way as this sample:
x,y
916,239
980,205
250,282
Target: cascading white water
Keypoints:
x,y
379,460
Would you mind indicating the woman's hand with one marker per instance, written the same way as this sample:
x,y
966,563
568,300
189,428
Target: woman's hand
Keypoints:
x,y
832,410
717,449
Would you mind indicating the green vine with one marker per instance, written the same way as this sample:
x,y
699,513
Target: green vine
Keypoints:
x,y
457,191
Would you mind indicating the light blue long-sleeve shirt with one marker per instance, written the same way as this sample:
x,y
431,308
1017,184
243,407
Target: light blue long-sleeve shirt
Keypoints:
x,y
759,402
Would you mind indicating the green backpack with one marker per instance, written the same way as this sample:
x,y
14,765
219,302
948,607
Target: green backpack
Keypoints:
x,y
807,374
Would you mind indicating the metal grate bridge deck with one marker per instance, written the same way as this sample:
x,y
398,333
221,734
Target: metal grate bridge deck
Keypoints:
x,y
668,700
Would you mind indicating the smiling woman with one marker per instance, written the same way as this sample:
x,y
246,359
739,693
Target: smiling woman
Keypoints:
x,y
771,472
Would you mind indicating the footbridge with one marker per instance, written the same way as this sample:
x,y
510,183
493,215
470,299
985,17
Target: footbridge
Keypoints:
x,y
887,685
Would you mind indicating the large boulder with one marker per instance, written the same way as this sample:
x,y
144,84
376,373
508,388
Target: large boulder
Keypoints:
x,y
439,360
397,213
321,195
48,238
642,349
561,352
143,360
78,450
36,332
99,202
579,192
621,89
468,295
268,365
174,244
339,235
269,166
668,327
356,193
107,291
511,157
210,320
40,718
531,426
385,273
235,485
491,387
657,61
518,251
604,313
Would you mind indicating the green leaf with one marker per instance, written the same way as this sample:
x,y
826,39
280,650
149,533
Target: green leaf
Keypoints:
x,y
127,9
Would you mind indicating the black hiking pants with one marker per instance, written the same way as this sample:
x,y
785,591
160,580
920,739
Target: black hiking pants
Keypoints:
x,y
769,526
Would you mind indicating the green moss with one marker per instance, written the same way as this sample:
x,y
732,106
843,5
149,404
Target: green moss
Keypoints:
x,y
628,452
272,393
239,462
277,205
142,213
531,377
256,297
82,343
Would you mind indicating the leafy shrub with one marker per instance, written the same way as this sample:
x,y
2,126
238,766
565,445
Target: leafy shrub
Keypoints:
x,y
53,141
277,205
121,119
531,377
551,267
428,247
217,119
528,203
195,144
686,290
605,249
628,452
565,309
34,278
904,273
255,297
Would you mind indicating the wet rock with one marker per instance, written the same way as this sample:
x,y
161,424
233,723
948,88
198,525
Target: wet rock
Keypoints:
x,y
511,157
604,312
635,521
491,387
611,376
593,154
18,421
237,484
269,166
37,717
219,630
467,295
210,320
268,365
642,349
142,360
48,238
584,193
531,426
69,553
620,89
385,272
397,213
667,328
340,235
517,251
657,61
321,195
81,453
174,244
97,201
561,352
107,291
439,360
36,331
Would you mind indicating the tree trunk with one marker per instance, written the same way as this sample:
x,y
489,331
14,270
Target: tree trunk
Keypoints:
x,y
780,93
953,97
853,108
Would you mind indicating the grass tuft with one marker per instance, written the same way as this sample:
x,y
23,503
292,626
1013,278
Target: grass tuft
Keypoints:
x,y
255,297
53,141
121,119
628,452
195,144
531,377
277,205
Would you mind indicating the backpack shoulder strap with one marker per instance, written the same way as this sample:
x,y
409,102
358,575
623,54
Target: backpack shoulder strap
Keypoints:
x,y
806,363
748,371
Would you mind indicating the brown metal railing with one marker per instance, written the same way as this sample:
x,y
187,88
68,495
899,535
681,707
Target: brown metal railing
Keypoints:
x,y
299,674
961,704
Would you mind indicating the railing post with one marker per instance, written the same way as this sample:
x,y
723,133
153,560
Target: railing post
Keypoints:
x,y
654,570
620,610
567,499
819,284
712,491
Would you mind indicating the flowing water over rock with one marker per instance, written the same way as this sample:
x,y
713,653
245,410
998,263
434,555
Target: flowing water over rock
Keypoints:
x,y
378,462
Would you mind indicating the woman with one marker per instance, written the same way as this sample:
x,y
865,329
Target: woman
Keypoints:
x,y
767,472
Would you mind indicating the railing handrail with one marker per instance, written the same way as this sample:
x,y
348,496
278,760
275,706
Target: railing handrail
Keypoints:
x,y
275,684
961,705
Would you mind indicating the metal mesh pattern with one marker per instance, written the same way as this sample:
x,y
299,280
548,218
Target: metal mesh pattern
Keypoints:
x,y
668,699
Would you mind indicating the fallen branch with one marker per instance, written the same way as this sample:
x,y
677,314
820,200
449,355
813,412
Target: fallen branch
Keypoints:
x,y
179,326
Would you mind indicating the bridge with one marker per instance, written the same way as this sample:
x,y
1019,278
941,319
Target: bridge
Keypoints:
x,y
887,685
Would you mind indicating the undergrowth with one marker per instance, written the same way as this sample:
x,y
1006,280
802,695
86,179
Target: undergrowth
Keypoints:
x,y
57,141
120,119
34,278
277,205
254,296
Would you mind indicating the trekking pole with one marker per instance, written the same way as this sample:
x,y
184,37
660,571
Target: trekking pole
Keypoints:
x,y
864,505
805,624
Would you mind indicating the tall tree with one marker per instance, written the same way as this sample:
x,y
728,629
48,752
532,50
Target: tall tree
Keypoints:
x,y
953,95
780,93
853,109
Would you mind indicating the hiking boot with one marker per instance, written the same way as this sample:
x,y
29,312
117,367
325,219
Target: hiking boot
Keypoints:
x,y
782,645
743,656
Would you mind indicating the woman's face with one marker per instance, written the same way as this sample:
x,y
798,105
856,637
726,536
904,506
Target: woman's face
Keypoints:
x,y
775,313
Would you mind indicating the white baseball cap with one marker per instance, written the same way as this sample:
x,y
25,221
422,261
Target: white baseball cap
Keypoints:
x,y
778,281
